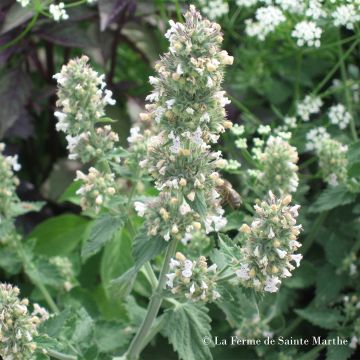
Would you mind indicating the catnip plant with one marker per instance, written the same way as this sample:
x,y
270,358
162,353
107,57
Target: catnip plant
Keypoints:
x,y
187,116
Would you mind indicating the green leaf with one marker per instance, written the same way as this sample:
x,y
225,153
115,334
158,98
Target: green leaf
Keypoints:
x,y
117,259
122,286
234,221
59,235
186,326
328,284
322,317
331,198
25,207
101,232
302,277
199,204
110,336
146,248
70,193
40,270
338,352
16,16
10,261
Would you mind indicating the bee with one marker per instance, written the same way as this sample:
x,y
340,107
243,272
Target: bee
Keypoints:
x,y
229,195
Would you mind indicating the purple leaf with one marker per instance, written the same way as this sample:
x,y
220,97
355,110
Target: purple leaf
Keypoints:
x,y
109,10
15,88
69,35
16,16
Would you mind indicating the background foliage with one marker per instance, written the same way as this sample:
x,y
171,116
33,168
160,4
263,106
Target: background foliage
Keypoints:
x,y
123,38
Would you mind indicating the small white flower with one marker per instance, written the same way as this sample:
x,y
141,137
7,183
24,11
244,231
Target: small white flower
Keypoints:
x,y
58,12
243,272
271,284
307,33
184,208
339,116
140,208
186,273
281,253
297,258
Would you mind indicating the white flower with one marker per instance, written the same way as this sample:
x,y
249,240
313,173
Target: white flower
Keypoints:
x,y
339,116
307,33
62,124
184,208
214,9
297,258
192,288
186,273
281,253
346,15
290,121
310,105
354,342
264,129
170,279
135,135
267,20
243,272
108,97
58,12
174,264
140,208
314,138
246,3
23,3
271,284
13,161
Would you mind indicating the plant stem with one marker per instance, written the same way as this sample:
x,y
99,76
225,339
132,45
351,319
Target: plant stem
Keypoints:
x,y
346,90
158,325
313,232
226,277
23,34
336,66
154,306
29,265
150,275
60,356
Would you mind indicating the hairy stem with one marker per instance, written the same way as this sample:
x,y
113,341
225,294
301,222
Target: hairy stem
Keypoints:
x,y
154,306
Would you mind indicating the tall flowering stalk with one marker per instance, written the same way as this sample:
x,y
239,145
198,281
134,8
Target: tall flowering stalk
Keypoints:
x,y
187,108
82,98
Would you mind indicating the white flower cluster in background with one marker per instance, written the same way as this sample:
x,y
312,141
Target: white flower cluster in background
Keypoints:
x,y
307,33
304,20
346,15
18,327
58,11
214,9
315,136
267,19
309,106
339,116
187,109
270,243
277,166
193,279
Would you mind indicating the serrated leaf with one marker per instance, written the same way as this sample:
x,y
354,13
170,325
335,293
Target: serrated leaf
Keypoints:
x,y
111,335
199,204
146,248
186,325
323,317
101,232
338,352
328,284
121,286
331,198
234,221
